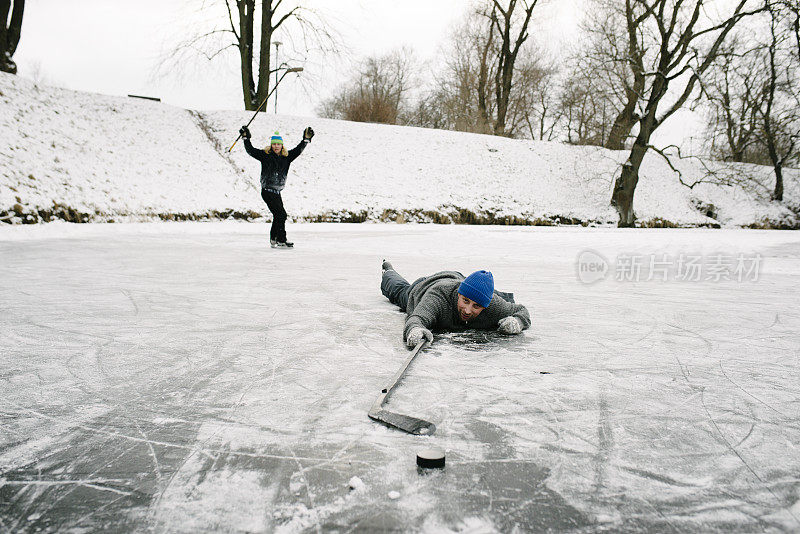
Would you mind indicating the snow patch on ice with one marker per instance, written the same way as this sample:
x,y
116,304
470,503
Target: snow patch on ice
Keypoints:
x,y
356,484
296,483
469,525
217,500
166,420
788,517
298,517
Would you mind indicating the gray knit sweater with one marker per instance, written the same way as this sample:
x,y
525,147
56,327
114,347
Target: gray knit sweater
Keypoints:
x,y
433,304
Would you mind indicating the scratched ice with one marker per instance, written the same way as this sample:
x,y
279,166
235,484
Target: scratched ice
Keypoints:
x,y
187,378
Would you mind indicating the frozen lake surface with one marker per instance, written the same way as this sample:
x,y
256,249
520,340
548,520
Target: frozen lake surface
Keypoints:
x,y
186,378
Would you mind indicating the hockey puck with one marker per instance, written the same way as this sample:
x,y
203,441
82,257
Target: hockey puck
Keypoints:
x,y
430,458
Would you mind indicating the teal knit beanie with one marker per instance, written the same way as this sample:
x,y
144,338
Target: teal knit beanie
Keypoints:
x,y
276,138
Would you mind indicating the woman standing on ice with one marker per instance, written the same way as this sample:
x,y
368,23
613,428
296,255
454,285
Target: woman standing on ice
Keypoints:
x,y
275,163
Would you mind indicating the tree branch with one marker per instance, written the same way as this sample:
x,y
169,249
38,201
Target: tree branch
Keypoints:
x,y
286,16
230,19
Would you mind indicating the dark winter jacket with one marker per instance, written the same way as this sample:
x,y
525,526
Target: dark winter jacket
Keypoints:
x,y
433,304
274,167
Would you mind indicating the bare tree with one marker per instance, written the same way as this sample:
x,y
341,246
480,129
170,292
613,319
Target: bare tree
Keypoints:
x,y
531,78
609,67
578,108
428,112
733,88
791,9
778,110
587,111
378,93
489,82
10,32
251,29
462,87
753,95
511,25
674,50
546,116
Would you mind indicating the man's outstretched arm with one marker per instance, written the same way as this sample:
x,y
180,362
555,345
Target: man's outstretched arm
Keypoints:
x,y
514,318
419,323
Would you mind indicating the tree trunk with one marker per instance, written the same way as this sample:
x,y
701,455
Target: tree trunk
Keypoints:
x,y
10,35
507,57
264,51
796,27
771,126
625,186
503,93
622,127
622,198
627,118
483,77
5,57
246,11
15,26
777,194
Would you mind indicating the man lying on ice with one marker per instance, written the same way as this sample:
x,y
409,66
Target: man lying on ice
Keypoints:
x,y
448,301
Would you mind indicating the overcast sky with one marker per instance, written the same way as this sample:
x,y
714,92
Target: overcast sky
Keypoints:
x,y
116,46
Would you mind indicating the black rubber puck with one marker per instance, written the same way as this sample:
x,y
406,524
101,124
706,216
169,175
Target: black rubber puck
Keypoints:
x,y
432,458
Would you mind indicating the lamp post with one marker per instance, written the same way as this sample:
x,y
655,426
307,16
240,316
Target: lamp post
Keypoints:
x,y
287,69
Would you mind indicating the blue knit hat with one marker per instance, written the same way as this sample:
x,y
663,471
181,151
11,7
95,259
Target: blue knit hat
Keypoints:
x,y
276,138
478,287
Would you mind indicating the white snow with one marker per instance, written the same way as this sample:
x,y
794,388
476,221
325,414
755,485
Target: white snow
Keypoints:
x,y
113,158
356,484
184,377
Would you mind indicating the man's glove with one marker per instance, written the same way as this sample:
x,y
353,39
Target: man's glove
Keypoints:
x,y
416,335
244,132
509,325
308,133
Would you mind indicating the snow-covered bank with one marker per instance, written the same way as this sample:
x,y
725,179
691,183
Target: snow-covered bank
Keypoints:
x,y
88,157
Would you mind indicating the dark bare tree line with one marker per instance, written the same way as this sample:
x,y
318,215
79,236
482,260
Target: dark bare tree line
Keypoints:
x,y
753,95
640,63
378,92
489,82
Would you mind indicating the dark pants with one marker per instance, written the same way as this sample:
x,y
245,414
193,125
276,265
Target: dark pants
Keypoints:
x,y
396,288
275,204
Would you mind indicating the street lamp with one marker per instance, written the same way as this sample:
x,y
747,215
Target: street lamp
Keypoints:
x,y
288,69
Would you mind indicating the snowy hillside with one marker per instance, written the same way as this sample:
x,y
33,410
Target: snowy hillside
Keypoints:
x,y
81,156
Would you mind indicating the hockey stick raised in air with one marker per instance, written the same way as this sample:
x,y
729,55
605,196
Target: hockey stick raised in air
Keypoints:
x,y
406,423
294,69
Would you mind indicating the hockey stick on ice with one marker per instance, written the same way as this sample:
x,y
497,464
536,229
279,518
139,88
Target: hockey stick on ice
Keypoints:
x,y
406,423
